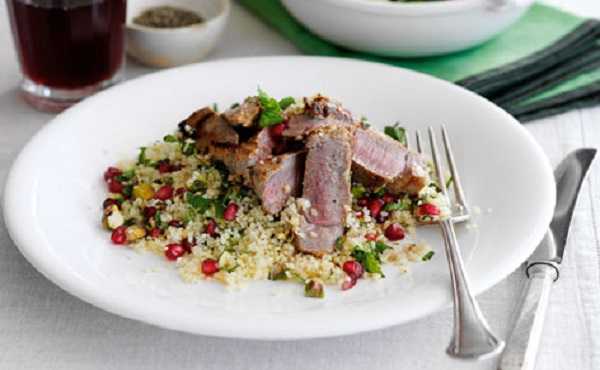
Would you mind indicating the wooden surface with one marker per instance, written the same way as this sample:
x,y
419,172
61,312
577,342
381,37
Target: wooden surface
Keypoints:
x,y
44,327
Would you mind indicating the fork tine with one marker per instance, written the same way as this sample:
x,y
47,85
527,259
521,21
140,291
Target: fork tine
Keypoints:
x,y
436,162
418,140
458,189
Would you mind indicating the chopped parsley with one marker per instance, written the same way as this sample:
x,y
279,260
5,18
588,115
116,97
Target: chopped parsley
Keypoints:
x,y
142,157
198,202
170,139
358,191
396,132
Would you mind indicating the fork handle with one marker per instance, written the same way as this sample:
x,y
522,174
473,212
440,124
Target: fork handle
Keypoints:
x,y
472,337
523,343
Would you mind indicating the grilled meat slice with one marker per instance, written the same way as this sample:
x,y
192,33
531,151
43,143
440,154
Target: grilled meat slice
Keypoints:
x,y
327,188
320,112
244,114
379,160
277,179
215,130
316,239
240,159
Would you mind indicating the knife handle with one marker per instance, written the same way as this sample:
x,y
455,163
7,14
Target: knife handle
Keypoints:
x,y
528,318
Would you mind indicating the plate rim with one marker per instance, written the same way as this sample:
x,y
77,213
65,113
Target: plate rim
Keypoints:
x,y
78,287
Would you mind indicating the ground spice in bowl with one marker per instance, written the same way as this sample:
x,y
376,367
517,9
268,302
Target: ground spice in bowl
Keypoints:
x,y
167,17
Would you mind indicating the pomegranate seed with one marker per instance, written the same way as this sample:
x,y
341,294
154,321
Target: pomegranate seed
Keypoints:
x,y
187,245
375,206
109,202
149,212
230,212
362,202
428,209
394,232
115,186
179,191
164,166
277,130
164,193
211,227
371,236
359,214
154,232
119,235
348,283
175,223
353,269
174,251
209,267
388,198
111,173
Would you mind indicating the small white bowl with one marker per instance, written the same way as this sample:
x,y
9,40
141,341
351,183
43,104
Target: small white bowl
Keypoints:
x,y
169,47
407,29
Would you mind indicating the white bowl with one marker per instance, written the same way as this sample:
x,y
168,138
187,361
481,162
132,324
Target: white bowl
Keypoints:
x,y
169,47
407,29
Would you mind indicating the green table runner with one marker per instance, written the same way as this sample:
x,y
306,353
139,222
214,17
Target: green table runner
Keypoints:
x,y
545,64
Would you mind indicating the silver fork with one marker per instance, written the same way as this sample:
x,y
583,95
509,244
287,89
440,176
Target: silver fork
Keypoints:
x,y
472,337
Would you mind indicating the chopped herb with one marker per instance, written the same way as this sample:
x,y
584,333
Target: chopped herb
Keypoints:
x,y
392,207
449,181
314,289
234,105
271,111
428,256
198,202
368,260
142,157
339,243
219,206
231,269
358,191
396,132
126,175
379,192
129,222
128,191
197,186
364,121
188,148
215,107
170,139
158,221
286,102
380,247
403,204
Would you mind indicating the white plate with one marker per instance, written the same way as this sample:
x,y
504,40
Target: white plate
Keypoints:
x,y
55,188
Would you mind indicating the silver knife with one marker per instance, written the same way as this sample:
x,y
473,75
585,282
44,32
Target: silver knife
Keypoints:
x,y
543,267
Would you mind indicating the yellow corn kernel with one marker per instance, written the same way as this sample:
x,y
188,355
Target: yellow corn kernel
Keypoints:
x,y
143,191
135,232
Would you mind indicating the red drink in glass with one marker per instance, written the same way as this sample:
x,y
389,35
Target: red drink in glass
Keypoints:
x,y
68,49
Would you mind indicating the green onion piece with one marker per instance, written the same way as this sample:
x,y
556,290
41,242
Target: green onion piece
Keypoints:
x,y
271,111
314,289
142,157
286,102
449,181
170,139
396,132
215,107
234,105
428,256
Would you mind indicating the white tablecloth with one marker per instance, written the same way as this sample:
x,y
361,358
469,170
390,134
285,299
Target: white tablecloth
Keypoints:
x,y
42,327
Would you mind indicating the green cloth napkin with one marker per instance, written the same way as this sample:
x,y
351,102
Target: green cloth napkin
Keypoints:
x,y
547,63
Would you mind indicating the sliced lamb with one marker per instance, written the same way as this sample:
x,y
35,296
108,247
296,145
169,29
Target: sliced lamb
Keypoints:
x,y
316,239
244,114
379,160
215,130
319,112
240,159
277,179
326,188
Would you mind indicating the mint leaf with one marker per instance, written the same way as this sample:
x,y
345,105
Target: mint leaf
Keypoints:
x,y
286,102
396,132
271,111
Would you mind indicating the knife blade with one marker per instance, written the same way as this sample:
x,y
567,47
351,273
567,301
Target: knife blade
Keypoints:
x,y
543,267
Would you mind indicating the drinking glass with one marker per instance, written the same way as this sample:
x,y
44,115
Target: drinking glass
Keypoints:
x,y
67,49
